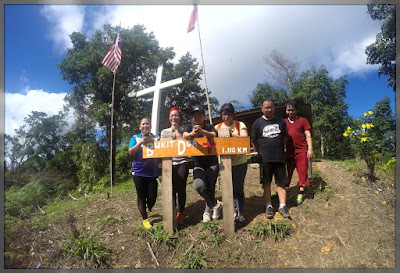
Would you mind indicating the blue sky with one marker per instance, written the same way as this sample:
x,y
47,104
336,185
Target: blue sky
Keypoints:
x,y
235,39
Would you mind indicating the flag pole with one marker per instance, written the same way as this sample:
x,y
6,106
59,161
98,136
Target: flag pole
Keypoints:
x,y
111,135
204,71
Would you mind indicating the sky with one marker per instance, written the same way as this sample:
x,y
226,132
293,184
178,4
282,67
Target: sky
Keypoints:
x,y
235,39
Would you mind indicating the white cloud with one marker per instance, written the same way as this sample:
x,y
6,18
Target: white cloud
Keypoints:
x,y
19,106
235,38
63,19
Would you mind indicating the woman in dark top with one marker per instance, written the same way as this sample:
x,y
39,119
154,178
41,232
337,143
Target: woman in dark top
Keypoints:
x,y
205,171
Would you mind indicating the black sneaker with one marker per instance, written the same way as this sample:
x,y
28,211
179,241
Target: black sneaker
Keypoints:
x,y
269,211
284,211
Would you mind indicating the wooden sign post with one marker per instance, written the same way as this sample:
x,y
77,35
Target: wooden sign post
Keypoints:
x,y
166,149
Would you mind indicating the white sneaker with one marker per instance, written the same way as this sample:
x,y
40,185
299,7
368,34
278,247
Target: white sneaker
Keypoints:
x,y
217,210
206,217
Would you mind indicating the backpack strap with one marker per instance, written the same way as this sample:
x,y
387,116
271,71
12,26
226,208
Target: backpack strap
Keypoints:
x,y
237,126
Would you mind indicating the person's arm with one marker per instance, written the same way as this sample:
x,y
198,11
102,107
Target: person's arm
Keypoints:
x,y
136,146
310,152
204,132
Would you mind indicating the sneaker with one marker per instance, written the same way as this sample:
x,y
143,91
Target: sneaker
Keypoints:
x,y
274,195
217,210
284,212
206,217
146,224
240,219
179,218
269,211
300,199
148,211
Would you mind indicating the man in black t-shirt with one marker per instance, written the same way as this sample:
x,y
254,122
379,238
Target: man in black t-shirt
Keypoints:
x,y
268,135
206,169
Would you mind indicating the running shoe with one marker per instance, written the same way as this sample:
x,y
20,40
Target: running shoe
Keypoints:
x,y
217,210
206,217
300,198
284,211
269,211
146,224
179,218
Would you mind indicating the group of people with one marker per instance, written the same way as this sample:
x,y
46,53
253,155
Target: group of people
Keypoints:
x,y
282,145
269,134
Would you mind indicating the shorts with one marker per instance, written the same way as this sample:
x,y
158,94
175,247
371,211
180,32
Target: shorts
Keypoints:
x,y
278,169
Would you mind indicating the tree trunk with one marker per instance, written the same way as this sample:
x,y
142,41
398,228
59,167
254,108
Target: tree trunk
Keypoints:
x,y
322,146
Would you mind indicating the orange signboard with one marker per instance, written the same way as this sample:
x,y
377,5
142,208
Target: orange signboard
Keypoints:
x,y
201,146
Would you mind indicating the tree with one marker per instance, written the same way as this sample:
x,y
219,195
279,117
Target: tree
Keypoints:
x,y
265,90
187,94
282,70
383,50
329,111
82,67
386,126
36,141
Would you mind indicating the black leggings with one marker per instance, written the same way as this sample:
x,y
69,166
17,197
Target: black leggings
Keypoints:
x,y
146,189
179,176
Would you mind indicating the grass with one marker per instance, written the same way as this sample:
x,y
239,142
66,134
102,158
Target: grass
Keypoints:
x,y
275,229
88,247
85,246
157,234
109,219
194,259
57,211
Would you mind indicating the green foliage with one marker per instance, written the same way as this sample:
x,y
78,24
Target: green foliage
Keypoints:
x,y
390,166
21,202
123,163
324,191
383,50
276,229
210,226
329,110
88,247
187,94
157,234
36,141
194,259
366,141
109,220
91,160
265,90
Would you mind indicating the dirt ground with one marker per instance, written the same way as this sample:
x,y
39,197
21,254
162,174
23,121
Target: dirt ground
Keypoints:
x,y
344,222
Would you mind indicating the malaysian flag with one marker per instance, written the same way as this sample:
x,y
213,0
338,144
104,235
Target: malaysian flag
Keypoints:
x,y
113,56
193,18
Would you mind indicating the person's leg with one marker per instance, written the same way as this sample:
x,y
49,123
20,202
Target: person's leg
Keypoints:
x,y
281,184
212,176
182,173
199,183
302,166
238,177
152,187
141,191
290,165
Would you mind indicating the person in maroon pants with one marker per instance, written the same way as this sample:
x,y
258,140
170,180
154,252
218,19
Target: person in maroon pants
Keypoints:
x,y
298,148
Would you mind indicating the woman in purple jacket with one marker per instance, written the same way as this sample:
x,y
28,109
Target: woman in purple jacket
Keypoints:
x,y
144,171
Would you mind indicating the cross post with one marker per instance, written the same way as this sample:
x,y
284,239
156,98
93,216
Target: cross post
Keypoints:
x,y
155,111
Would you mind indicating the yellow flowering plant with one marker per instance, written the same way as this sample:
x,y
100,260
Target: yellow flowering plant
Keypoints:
x,y
364,141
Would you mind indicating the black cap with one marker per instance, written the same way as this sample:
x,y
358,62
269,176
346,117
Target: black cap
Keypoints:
x,y
198,108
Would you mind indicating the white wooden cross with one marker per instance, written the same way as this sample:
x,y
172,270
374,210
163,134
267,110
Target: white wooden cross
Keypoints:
x,y
155,112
